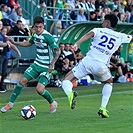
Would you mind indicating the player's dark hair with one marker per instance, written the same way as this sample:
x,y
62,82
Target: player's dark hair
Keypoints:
x,y
112,18
38,20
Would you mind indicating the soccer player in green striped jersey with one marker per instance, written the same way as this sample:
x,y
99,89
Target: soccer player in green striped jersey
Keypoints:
x,y
47,53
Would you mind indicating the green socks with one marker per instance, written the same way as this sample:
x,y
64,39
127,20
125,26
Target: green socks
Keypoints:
x,y
17,91
47,96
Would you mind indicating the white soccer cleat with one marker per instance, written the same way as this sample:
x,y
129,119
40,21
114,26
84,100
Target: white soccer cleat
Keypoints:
x,y
53,107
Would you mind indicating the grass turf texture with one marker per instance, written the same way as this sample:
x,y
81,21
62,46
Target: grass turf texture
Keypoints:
x,y
83,119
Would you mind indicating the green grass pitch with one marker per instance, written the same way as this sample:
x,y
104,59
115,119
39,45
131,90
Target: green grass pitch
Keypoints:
x,y
83,119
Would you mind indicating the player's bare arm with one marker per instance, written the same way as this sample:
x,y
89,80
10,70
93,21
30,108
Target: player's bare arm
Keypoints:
x,y
25,44
56,56
83,39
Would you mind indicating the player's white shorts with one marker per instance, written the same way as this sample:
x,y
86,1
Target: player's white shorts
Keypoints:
x,y
89,66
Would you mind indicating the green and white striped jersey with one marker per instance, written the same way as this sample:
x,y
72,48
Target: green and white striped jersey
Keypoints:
x,y
45,44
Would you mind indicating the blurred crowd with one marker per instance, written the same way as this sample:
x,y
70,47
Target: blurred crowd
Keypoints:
x,y
12,18
68,58
88,10
66,12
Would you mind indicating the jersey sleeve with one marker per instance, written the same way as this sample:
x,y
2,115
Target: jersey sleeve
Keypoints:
x,y
95,31
125,38
51,41
31,39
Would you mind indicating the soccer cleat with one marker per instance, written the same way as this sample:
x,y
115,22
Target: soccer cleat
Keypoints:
x,y
2,90
103,112
71,98
53,107
9,106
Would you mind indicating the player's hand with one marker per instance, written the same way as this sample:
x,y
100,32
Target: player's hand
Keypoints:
x,y
51,68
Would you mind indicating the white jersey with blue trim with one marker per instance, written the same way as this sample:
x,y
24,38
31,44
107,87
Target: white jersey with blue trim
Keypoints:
x,y
105,42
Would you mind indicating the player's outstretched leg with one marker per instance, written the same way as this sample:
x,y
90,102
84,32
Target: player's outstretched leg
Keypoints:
x,y
71,98
15,94
103,112
53,107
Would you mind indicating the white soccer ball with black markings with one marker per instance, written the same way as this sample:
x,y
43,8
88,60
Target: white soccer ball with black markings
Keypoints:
x,y
58,83
28,112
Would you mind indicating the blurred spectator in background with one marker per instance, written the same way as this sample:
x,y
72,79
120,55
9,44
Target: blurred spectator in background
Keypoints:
x,y
3,59
65,16
116,5
4,9
59,62
99,15
12,46
123,15
10,3
116,12
20,16
16,14
90,5
19,30
125,67
69,58
82,5
78,56
128,9
93,16
5,17
13,16
56,13
105,10
81,16
116,64
99,4
72,3
43,5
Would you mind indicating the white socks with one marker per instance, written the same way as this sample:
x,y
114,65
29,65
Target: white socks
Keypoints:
x,y
106,93
67,86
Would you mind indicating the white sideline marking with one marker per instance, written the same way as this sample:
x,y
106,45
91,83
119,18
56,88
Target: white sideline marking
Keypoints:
x,y
66,97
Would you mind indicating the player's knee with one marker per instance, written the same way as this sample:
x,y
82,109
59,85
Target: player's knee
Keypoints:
x,y
40,89
109,80
23,81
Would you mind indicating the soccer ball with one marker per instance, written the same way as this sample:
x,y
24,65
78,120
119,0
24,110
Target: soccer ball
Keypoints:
x,y
58,83
28,112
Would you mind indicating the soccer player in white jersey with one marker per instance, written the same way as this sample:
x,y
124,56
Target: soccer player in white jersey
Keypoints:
x,y
105,42
42,66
